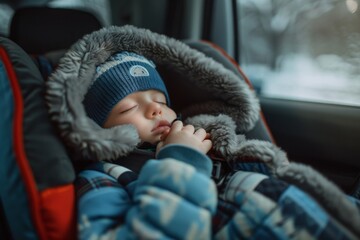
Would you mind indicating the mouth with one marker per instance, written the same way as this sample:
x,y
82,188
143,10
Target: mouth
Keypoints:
x,y
161,126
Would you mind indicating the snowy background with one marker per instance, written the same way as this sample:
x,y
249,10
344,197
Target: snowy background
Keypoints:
x,y
302,49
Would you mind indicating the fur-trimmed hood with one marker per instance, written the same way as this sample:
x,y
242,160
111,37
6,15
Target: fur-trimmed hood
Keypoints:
x,y
197,85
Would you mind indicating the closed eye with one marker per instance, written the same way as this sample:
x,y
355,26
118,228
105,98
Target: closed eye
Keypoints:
x,y
161,102
127,109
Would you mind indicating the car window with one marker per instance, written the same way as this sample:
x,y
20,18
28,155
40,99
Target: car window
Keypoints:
x,y
6,13
302,49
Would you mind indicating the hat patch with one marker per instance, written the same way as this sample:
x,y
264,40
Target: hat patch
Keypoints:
x,y
139,71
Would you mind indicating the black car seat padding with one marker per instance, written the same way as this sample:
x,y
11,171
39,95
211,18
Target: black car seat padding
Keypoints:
x,y
39,30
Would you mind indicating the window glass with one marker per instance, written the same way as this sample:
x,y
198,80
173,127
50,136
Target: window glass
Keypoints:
x,y
6,12
302,49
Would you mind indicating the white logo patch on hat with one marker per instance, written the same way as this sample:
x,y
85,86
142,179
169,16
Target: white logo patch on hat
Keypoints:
x,y
139,71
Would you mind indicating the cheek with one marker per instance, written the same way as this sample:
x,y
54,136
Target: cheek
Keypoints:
x,y
170,114
138,125
118,120
138,121
143,129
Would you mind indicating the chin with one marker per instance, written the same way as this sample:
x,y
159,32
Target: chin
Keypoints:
x,y
153,141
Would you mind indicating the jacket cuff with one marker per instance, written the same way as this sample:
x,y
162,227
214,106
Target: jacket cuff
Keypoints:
x,y
188,155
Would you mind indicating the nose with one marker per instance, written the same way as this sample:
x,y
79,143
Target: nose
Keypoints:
x,y
153,109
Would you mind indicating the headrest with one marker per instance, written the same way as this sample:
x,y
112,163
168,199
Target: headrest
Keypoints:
x,y
39,30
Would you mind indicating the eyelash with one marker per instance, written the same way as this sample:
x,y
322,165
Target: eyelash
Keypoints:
x,y
160,102
127,109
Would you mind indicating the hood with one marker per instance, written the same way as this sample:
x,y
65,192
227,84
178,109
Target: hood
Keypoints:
x,y
197,86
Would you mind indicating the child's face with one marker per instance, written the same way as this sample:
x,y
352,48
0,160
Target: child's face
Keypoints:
x,y
147,111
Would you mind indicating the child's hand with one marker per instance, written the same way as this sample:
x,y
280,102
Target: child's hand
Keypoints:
x,y
186,135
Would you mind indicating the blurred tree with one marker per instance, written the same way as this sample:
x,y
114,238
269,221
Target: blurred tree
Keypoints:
x,y
270,28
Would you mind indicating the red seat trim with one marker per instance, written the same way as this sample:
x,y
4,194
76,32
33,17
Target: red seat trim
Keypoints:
x,y
58,212
19,149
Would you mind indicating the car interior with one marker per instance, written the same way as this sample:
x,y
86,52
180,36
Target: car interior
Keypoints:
x,y
322,134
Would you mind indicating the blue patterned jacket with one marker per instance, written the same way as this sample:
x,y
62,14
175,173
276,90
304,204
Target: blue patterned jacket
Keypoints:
x,y
174,197
159,203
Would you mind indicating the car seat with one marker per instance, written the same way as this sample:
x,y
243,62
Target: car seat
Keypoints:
x,y
37,195
36,174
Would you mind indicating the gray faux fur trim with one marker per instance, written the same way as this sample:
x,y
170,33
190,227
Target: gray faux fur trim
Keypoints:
x,y
67,86
234,147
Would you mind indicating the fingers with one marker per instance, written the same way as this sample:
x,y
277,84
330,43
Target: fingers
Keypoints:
x,y
187,135
189,128
164,134
207,136
177,126
207,144
159,146
201,133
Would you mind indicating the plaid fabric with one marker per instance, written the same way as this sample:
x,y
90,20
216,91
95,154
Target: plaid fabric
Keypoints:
x,y
224,213
258,207
159,204
254,207
84,185
272,188
250,206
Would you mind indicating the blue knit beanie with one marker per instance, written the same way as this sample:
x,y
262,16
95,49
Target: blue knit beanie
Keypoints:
x,y
120,75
